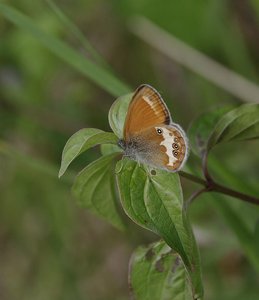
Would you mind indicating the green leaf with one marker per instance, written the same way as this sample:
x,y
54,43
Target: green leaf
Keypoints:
x,y
94,189
157,273
81,141
110,148
117,114
100,75
201,129
153,199
233,215
241,123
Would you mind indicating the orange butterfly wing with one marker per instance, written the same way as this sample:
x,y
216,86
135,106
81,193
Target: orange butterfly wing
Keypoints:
x,y
146,109
150,136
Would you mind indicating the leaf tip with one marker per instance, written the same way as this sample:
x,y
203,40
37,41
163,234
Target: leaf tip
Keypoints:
x,y
61,172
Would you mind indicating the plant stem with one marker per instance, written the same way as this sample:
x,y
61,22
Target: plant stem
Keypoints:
x,y
194,196
227,191
205,167
212,186
193,178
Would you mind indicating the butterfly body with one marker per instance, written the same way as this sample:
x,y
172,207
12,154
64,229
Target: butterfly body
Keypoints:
x,y
150,136
142,145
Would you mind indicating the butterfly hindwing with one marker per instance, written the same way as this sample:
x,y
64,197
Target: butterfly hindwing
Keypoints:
x,y
162,146
173,147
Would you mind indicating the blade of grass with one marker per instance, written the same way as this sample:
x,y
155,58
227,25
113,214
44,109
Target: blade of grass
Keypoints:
x,y
97,74
194,60
77,34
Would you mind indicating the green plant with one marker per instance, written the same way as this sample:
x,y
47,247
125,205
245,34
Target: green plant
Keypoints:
x,y
153,198
151,267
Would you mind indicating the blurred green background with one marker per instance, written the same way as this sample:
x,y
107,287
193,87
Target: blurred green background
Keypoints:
x,y
49,247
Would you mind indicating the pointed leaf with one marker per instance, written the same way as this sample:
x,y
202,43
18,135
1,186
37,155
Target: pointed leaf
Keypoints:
x,y
202,127
153,199
94,189
157,273
81,141
241,123
117,114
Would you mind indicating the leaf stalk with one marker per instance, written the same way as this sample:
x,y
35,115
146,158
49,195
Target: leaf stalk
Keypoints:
x,y
212,186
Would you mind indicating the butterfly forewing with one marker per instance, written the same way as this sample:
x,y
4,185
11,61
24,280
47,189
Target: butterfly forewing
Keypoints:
x,y
146,109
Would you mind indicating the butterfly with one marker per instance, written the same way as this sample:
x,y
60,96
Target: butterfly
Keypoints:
x,y
149,135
